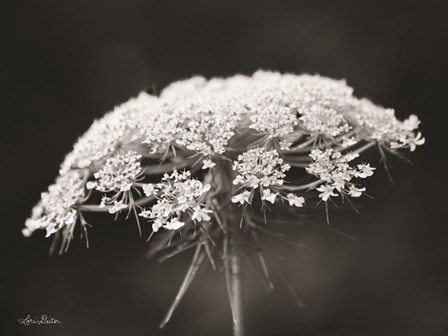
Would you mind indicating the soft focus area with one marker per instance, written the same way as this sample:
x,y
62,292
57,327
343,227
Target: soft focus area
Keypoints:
x,y
64,64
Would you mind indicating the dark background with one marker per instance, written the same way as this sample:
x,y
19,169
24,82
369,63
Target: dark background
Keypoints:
x,y
64,63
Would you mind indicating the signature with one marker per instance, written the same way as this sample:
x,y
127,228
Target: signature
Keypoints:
x,y
44,319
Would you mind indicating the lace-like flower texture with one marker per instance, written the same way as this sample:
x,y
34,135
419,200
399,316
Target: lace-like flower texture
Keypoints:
x,y
177,195
178,159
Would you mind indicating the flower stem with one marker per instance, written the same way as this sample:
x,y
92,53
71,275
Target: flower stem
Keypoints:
x,y
236,291
233,253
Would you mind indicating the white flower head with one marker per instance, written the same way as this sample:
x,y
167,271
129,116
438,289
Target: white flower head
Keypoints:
x,y
274,120
57,207
260,167
110,132
335,173
254,116
118,173
323,120
381,125
177,194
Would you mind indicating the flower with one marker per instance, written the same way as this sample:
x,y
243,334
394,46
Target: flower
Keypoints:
x,y
116,128
268,195
249,132
355,192
57,207
380,124
259,167
118,173
201,214
242,198
265,124
364,170
208,164
174,224
335,173
295,200
274,120
326,191
177,195
323,120
149,189
415,141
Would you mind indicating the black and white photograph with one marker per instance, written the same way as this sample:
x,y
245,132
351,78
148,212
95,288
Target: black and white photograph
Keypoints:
x,y
225,168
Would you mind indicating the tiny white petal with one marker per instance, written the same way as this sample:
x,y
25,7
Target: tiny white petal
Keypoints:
x,y
208,164
295,200
148,189
268,196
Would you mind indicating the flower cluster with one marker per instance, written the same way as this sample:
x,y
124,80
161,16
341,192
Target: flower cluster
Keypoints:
x,y
178,195
335,173
209,128
234,138
259,168
380,124
198,123
323,121
275,121
57,208
116,129
118,173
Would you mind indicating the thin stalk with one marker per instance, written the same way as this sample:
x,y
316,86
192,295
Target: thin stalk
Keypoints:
x,y
236,291
232,252
365,147
96,208
301,187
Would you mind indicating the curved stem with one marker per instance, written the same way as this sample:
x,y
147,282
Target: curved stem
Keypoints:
x,y
301,187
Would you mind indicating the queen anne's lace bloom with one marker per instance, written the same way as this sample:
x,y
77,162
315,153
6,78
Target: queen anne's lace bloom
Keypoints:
x,y
57,208
259,142
114,130
275,121
259,167
177,195
323,121
118,173
265,124
380,124
335,173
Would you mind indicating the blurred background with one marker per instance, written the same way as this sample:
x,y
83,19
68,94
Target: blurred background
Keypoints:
x,y
65,63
